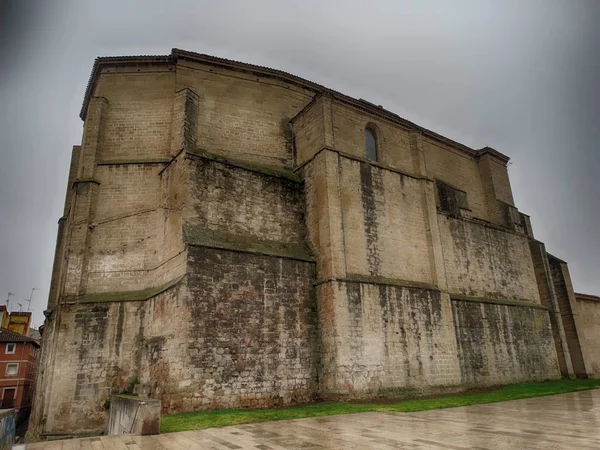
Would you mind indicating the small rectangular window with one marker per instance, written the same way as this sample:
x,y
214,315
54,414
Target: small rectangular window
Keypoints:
x,y
12,370
10,349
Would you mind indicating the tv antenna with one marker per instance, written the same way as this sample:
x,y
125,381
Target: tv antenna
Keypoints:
x,y
28,300
20,307
8,301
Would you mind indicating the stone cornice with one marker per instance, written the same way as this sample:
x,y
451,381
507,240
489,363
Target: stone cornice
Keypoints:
x,y
586,297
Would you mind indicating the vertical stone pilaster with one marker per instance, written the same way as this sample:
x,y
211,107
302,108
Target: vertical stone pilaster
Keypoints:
x,y
429,207
324,214
93,136
83,198
184,125
328,121
496,187
58,269
436,255
548,298
565,297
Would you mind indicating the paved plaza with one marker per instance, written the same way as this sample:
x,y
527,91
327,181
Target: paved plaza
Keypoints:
x,y
567,421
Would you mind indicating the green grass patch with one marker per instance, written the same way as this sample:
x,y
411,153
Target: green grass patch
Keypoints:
x,y
223,417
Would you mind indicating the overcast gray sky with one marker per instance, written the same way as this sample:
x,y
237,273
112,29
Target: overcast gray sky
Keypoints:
x,y
519,76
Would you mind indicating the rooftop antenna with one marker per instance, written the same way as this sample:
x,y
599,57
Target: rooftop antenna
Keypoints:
x,y
8,301
29,299
20,307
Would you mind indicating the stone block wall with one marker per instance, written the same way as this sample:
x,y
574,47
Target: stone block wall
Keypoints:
x,y
464,174
243,334
244,201
571,321
588,312
309,130
140,105
93,350
252,338
384,223
549,299
484,261
242,115
393,141
501,344
384,340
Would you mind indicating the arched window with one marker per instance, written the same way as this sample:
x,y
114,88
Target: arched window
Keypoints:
x,y
370,144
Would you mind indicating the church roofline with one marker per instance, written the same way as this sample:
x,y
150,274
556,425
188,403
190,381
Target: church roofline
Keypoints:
x,y
177,54
589,297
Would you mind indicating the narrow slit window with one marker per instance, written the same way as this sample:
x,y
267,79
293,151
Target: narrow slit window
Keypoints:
x,y
371,144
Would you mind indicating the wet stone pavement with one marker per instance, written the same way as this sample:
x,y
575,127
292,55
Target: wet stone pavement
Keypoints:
x,y
567,421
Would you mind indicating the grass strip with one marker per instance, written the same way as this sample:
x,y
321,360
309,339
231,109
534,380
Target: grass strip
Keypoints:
x,y
223,417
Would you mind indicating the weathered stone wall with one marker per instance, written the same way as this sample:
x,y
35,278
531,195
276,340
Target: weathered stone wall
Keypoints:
x,y
393,141
500,344
549,300
93,349
464,173
571,320
309,130
245,336
323,214
243,115
384,340
252,332
122,232
140,105
383,222
588,312
483,261
125,227
223,197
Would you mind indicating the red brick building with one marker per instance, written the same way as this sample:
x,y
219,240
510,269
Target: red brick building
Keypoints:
x,y
18,368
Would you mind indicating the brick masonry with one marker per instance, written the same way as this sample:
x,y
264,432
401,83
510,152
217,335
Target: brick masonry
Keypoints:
x,y
226,243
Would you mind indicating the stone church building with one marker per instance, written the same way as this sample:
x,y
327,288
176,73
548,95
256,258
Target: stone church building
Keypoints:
x,y
237,236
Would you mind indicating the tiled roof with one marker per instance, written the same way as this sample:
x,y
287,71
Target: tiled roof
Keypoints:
x,y
11,336
177,54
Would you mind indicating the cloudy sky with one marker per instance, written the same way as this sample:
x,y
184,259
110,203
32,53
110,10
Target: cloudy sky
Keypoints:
x,y
520,76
